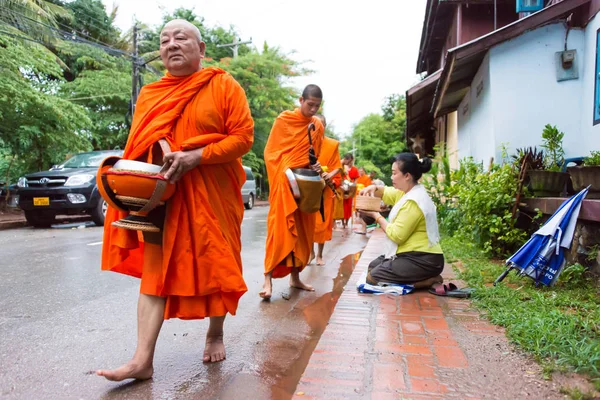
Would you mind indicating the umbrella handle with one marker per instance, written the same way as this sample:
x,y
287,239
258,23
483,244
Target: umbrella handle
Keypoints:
x,y
311,127
501,277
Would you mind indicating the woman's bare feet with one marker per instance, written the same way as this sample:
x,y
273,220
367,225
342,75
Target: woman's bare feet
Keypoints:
x,y
267,290
131,370
215,349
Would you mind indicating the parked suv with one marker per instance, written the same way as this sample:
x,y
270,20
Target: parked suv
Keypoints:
x,y
66,189
249,189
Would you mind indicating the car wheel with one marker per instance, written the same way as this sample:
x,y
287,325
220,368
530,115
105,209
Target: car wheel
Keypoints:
x,y
99,212
250,202
40,219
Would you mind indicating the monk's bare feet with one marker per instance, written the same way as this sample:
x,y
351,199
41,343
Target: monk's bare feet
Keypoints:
x,y
131,370
267,290
320,261
312,257
214,350
298,284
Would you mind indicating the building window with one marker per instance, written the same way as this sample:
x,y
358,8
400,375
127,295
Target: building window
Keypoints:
x,y
529,5
597,81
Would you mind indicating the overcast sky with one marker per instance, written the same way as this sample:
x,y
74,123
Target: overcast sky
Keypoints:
x,y
361,51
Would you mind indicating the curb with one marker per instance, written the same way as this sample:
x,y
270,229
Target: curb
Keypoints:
x,y
12,225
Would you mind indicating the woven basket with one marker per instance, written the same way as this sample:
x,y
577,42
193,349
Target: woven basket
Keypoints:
x,y
368,203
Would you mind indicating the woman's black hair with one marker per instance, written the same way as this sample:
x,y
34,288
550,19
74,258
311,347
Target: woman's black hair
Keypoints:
x,y
409,163
348,156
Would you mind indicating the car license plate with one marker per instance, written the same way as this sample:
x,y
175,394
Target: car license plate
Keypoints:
x,y
41,201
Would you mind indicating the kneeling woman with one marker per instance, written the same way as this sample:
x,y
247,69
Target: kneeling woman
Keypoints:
x,y
412,254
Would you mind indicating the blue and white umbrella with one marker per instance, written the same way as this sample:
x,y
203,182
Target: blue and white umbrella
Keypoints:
x,y
542,258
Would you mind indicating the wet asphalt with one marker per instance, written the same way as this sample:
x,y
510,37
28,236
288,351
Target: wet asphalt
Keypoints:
x,y
61,318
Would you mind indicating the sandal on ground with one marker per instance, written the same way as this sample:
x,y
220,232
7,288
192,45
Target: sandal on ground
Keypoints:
x,y
451,290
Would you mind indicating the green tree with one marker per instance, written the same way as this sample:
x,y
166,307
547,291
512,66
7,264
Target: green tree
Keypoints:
x,y
150,40
378,137
263,76
37,128
91,19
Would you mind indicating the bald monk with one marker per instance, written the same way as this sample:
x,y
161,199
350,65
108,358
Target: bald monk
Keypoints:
x,y
363,178
289,230
330,158
193,269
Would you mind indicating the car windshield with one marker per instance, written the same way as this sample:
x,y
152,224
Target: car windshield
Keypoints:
x,y
87,160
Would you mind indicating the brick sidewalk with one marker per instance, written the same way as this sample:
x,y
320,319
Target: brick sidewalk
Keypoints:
x,y
417,346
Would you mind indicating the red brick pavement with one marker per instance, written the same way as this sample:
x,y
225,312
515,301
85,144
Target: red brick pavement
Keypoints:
x,y
388,347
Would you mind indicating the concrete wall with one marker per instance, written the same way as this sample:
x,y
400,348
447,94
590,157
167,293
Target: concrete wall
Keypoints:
x,y
452,139
526,93
476,116
519,95
590,133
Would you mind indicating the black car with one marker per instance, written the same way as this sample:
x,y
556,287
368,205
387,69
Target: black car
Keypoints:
x,y
66,189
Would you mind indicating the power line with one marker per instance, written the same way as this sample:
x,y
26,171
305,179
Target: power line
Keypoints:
x,y
20,37
100,95
22,7
70,36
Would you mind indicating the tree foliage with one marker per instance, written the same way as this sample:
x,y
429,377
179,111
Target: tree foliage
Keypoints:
x,y
378,137
36,126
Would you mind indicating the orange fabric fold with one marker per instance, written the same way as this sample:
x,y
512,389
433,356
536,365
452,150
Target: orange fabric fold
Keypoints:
x,y
364,180
289,230
198,268
329,157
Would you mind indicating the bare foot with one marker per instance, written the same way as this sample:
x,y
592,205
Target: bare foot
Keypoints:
x,y
312,257
298,284
131,370
320,261
214,350
267,291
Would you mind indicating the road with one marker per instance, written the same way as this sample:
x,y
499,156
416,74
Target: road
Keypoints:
x,y
61,318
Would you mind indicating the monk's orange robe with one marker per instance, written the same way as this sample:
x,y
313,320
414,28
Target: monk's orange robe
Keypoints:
x,y
289,231
198,268
364,180
329,157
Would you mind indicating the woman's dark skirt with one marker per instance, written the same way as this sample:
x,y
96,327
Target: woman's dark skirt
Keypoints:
x,y
405,268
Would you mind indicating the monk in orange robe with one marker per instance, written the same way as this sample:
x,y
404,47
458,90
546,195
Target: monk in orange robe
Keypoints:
x,y
193,269
363,178
289,230
330,158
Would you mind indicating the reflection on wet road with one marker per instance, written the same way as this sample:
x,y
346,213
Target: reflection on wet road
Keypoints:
x,y
61,318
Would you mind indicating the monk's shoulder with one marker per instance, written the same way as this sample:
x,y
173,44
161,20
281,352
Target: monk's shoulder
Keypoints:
x,y
226,82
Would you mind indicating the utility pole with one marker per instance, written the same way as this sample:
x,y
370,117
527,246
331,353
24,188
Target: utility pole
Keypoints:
x,y
135,90
235,45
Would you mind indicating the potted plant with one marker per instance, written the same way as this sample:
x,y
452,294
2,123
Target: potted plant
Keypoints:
x,y
550,181
587,174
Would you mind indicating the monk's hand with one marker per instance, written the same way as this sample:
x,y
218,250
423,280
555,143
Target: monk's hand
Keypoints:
x,y
316,167
368,191
181,162
329,176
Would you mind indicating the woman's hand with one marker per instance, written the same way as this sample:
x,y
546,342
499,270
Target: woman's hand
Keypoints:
x,y
180,162
372,214
369,191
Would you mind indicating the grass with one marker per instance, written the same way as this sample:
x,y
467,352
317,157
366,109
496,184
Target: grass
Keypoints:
x,y
559,326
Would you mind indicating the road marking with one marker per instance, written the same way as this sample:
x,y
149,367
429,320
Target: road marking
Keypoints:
x,y
94,244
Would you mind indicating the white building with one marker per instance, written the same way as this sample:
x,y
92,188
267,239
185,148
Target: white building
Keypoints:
x,y
505,86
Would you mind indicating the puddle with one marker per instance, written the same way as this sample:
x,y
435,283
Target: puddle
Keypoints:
x,y
317,316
